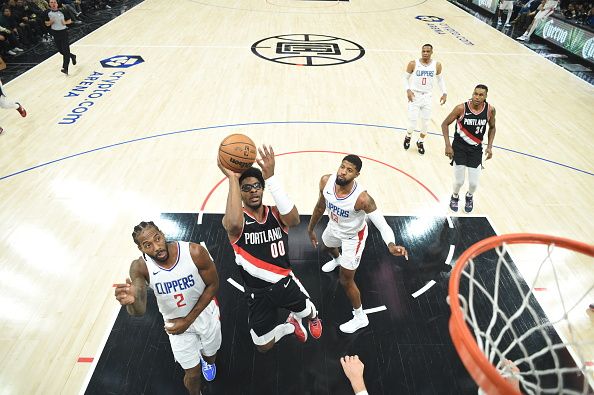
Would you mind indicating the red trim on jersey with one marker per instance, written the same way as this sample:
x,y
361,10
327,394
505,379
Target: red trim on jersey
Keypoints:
x,y
468,134
474,112
360,235
260,263
276,214
265,215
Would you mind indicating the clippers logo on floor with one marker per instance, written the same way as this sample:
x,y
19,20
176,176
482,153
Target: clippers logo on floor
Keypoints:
x,y
96,85
437,24
308,50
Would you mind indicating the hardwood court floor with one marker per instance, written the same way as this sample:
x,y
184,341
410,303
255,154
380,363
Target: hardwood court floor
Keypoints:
x,y
146,138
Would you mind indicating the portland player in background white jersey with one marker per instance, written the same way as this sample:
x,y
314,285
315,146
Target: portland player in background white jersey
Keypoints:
x,y
419,80
185,282
348,204
259,236
545,10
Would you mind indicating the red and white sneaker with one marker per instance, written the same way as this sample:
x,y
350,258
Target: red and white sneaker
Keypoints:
x,y
22,110
300,332
315,327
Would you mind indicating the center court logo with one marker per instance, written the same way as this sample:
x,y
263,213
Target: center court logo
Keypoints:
x,y
98,84
308,50
438,26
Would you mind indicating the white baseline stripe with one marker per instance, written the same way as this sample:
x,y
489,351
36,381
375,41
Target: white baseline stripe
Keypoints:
x,y
375,309
422,290
85,384
450,223
236,284
450,255
200,215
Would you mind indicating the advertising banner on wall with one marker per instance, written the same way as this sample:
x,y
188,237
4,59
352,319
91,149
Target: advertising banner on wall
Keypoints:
x,y
572,38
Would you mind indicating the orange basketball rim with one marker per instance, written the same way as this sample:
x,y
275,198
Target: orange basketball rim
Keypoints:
x,y
482,371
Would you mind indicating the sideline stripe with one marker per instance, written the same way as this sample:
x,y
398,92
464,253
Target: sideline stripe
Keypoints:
x,y
375,309
422,290
85,384
450,254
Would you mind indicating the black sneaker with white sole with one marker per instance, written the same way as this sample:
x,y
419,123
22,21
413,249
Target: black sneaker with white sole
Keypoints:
x,y
407,142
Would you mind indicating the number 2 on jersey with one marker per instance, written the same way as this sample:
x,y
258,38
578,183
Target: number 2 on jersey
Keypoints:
x,y
180,302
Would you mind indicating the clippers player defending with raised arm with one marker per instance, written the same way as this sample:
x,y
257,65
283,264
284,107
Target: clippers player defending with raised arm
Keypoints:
x,y
259,236
466,152
185,282
348,204
418,80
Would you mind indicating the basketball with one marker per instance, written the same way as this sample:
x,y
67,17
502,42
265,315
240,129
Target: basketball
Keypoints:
x,y
237,152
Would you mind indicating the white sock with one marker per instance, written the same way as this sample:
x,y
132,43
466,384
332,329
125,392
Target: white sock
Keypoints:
x,y
359,312
282,330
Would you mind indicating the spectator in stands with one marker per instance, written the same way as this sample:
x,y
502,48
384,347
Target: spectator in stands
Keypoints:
x,y
24,31
526,14
545,10
9,35
570,13
590,19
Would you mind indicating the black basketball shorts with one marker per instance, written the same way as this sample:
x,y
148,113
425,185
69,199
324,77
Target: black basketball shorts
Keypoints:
x,y
263,303
467,155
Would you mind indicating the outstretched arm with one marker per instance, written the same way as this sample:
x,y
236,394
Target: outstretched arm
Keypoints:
x,y
318,211
288,211
233,218
132,294
208,273
353,369
365,202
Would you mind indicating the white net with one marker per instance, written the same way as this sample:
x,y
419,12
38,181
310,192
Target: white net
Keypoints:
x,y
514,333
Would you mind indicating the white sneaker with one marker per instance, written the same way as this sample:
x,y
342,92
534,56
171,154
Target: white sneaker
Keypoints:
x,y
507,25
11,52
19,49
356,323
521,38
499,22
331,265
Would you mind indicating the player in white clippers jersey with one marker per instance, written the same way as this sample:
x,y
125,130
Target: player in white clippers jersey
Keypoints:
x,y
545,9
418,80
348,204
185,282
259,236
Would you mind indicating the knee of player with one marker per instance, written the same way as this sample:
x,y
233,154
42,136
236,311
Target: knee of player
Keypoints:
x,y
346,281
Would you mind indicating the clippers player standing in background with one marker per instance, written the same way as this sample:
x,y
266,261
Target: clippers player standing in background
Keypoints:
x,y
466,152
185,282
419,92
348,203
259,236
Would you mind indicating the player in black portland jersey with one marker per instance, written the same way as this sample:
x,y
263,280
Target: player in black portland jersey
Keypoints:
x,y
259,236
472,119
